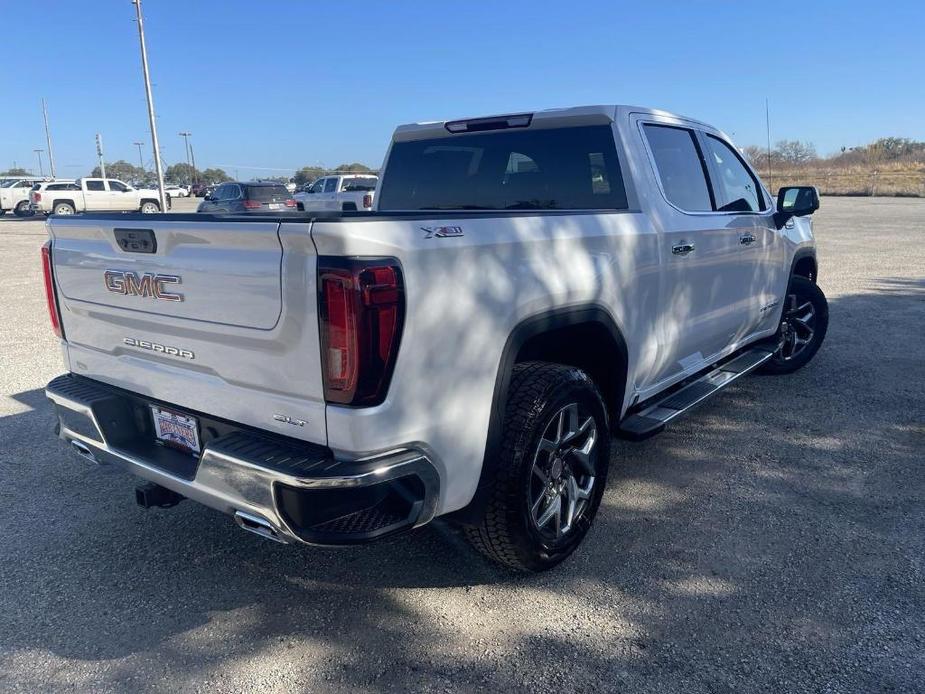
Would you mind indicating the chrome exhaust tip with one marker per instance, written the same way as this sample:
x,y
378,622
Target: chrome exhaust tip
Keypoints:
x,y
83,451
259,526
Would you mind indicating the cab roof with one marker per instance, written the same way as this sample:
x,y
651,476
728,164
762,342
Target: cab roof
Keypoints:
x,y
549,118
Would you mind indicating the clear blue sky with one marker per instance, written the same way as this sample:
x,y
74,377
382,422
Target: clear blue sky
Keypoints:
x,y
285,84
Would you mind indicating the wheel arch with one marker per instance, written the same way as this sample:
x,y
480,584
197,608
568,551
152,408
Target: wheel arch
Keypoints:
x,y
804,264
560,336
58,201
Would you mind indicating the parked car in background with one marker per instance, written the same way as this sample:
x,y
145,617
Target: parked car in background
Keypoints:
x,y
175,191
200,190
95,195
243,198
340,192
14,195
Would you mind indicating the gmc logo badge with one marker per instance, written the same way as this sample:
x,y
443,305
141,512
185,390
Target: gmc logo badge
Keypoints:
x,y
149,284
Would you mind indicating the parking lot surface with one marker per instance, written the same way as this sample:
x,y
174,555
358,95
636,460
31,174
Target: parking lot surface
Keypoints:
x,y
772,541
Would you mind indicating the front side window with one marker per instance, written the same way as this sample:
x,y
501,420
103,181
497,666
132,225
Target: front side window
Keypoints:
x,y
536,169
736,188
679,167
318,186
330,185
95,185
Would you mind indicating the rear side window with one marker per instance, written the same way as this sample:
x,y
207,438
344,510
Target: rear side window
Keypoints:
x,y
95,185
357,184
268,193
679,166
553,169
117,187
736,188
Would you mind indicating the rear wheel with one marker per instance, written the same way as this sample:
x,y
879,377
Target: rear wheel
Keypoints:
x,y
804,322
549,471
23,209
149,207
63,208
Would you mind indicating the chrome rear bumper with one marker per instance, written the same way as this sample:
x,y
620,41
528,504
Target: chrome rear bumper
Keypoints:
x,y
279,488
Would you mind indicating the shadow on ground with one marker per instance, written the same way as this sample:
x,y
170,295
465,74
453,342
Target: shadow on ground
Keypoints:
x,y
773,540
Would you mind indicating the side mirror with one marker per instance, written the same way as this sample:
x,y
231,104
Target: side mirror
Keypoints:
x,y
795,201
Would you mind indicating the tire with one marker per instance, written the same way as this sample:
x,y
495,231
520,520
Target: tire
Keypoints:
x,y
150,207
23,210
536,468
2,212
804,322
63,208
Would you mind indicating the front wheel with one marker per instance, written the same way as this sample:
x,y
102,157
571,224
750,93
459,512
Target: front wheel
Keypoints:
x,y
803,324
149,207
548,472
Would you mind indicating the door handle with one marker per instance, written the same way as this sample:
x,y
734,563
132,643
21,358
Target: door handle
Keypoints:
x,y
747,239
682,248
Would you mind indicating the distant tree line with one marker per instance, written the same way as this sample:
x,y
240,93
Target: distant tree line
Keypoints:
x,y
307,174
796,153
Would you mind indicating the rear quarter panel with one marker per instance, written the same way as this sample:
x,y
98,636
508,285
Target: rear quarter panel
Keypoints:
x,y
465,295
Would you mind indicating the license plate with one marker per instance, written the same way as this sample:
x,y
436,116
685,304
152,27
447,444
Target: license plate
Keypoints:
x,y
274,205
175,429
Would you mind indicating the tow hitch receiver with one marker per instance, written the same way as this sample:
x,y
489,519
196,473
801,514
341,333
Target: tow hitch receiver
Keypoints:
x,y
151,495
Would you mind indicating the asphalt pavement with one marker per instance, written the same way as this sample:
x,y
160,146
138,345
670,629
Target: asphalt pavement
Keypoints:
x,y
772,541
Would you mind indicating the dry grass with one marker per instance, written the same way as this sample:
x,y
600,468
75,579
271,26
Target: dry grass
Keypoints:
x,y
901,179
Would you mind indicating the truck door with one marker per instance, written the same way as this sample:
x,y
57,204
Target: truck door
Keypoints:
x,y
748,216
701,304
96,197
329,196
120,197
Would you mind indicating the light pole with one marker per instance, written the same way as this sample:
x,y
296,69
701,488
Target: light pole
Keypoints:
x,y
141,159
99,153
51,155
186,135
41,170
161,193
192,156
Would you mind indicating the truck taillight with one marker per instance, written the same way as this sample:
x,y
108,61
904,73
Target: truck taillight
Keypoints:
x,y
51,296
36,197
367,200
290,203
361,310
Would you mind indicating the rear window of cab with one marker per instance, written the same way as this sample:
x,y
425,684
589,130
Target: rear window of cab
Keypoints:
x,y
538,169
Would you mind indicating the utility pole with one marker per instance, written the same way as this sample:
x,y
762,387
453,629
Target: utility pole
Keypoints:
x,y
99,153
192,155
51,155
141,159
162,195
41,170
186,135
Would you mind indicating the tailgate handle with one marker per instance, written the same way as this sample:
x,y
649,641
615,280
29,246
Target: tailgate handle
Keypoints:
x,y
136,240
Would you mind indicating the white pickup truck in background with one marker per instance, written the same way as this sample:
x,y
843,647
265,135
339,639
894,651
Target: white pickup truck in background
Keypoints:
x,y
344,192
14,195
95,195
529,286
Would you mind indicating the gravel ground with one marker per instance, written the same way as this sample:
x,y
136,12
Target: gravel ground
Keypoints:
x,y
773,541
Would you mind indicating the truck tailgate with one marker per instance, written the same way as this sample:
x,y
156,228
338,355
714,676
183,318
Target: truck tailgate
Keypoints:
x,y
218,316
